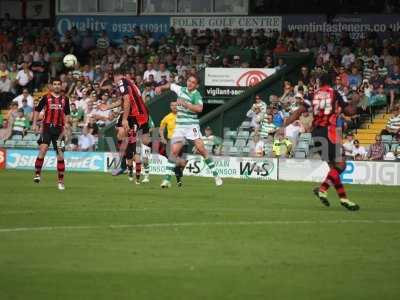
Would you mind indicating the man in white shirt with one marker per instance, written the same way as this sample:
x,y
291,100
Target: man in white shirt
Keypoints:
x,y
348,58
359,152
150,71
348,146
162,72
6,94
86,141
256,116
25,95
292,131
24,78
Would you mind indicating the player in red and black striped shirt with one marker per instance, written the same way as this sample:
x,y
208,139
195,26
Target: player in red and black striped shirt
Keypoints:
x,y
55,120
327,104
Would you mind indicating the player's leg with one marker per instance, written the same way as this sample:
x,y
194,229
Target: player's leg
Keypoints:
x,y
44,142
130,157
145,155
176,147
138,167
122,145
60,168
181,164
208,161
146,147
39,162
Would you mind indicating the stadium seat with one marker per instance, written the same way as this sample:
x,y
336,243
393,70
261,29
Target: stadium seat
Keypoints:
x,y
10,143
240,143
387,139
387,148
245,151
30,137
233,151
245,125
16,137
306,137
300,154
394,147
243,134
230,134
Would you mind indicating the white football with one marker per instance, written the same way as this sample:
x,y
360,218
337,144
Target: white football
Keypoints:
x,y
70,60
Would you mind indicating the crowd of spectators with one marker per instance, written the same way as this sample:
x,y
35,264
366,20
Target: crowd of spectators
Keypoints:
x,y
31,54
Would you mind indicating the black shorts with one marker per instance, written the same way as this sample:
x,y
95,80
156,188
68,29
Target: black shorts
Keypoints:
x,y
132,123
329,151
50,135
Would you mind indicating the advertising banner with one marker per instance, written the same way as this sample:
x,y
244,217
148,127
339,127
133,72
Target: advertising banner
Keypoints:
x,y
116,26
227,167
233,81
3,158
268,23
74,161
358,26
356,172
367,172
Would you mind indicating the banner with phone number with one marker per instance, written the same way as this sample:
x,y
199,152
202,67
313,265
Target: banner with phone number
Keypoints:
x,y
116,26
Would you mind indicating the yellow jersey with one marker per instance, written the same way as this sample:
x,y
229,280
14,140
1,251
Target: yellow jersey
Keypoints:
x,y
169,122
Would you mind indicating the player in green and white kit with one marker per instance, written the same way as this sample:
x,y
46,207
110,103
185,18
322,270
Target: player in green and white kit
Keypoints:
x,y
189,103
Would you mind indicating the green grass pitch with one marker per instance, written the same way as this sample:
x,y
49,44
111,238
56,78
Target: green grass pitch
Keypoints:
x,y
106,238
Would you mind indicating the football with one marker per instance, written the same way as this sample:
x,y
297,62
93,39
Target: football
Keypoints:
x,y
70,60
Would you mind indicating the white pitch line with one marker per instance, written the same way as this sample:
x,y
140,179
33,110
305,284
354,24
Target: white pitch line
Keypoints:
x,y
195,224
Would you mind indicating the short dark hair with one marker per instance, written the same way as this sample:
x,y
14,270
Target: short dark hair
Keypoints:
x,y
325,79
195,76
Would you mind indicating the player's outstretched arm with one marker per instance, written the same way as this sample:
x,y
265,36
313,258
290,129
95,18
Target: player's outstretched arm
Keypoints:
x,y
162,88
294,116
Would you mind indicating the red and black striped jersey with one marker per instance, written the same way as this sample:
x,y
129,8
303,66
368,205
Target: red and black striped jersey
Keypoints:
x,y
138,108
55,109
326,104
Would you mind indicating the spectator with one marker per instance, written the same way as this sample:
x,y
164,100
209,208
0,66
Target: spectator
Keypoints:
x,y
393,125
150,71
348,146
292,131
376,151
92,127
6,94
40,72
348,58
256,116
19,124
306,120
76,116
278,117
260,104
212,141
282,146
393,83
28,110
102,117
86,141
257,147
267,127
88,72
162,72
359,152
305,75
354,79
24,96
24,79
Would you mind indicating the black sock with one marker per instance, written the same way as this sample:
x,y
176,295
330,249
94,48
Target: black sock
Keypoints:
x,y
130,168
177,171
123,163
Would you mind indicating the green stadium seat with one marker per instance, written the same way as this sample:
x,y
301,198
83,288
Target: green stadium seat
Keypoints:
x,y
240,142
9,143
387,139
233,151
243,134
394,147
16,137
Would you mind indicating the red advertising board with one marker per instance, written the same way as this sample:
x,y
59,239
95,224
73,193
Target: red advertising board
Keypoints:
x,y
2,158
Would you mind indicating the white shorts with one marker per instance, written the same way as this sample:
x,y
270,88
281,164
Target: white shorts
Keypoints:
x,y
186,133
145,152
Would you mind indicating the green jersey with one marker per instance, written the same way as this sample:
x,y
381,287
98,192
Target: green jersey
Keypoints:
x,y
185,117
